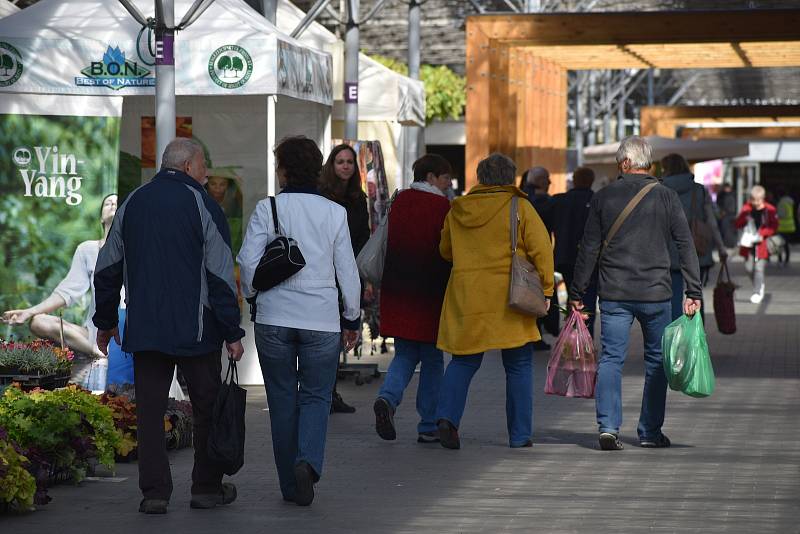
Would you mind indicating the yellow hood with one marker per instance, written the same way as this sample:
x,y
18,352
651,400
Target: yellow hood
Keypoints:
x,y
482,203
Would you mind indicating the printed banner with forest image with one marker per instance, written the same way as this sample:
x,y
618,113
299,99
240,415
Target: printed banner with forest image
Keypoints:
x,y
55,171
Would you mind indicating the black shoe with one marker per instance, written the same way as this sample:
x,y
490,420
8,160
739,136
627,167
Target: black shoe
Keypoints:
x,y
541,345
339,406
610,442
304,479
428,437
528,443
203,501
659,442
153,506
448,435
384,419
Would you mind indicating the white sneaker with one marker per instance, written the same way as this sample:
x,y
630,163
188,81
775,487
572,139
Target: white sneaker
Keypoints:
x,y
757,298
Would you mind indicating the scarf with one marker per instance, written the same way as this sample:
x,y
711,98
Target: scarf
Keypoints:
x,y
428,188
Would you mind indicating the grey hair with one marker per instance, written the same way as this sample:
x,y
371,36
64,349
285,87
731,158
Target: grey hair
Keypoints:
x,y
497,169
758,192
637,151
178,152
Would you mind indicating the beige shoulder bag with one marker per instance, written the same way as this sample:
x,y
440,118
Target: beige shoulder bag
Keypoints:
x,y
525,294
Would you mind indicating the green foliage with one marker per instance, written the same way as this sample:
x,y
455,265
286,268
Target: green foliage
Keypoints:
x,y
39,357
65,427
38,235
17,485
445,91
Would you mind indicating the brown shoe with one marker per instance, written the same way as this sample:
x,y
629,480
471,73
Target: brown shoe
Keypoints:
x,y
448,435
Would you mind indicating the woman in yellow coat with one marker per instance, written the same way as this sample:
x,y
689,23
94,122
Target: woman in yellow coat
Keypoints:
x,y
475,315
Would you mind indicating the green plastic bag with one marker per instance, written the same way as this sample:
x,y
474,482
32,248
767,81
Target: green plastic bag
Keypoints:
x,y
687,362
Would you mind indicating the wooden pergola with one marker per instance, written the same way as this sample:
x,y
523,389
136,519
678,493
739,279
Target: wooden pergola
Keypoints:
x,y
517,67
773,122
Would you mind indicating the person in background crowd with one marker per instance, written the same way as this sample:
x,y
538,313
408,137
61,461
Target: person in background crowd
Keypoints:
x,y
299,330
537,187
341,182
677,176
475,314
171,245
569,213
634,283
786,224
412,289
726,208
759,219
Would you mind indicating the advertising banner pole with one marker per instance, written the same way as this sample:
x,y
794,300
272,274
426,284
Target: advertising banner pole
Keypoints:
x,y
351,72
165,76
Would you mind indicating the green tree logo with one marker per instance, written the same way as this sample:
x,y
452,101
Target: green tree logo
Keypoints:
x,y
6,63
230,66
10,64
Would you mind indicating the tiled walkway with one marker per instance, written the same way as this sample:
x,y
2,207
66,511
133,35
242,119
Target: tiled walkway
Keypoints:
x,y
734,465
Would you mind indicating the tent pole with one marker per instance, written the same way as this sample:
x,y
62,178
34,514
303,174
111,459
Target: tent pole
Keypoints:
x,y
414,134
165,77
351,45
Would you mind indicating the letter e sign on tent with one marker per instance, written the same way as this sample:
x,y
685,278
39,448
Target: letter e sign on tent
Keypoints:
x,y
351,93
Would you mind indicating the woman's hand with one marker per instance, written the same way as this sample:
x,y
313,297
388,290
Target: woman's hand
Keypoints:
x,y
349,339
17,317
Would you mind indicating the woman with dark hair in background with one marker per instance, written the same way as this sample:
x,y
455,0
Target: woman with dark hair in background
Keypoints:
x,y
697,207
340,182
300,328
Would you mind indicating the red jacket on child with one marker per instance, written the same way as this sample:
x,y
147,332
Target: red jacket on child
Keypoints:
x,y
414,274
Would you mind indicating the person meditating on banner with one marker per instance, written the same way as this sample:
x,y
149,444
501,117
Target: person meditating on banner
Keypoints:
x,y
80,338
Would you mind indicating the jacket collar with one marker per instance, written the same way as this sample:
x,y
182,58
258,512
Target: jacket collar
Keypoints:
x,y
178,176
636,177
307,190
514,190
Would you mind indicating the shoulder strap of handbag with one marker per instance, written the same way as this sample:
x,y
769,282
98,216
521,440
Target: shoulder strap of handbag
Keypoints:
x,y
627,211
514,221
274,214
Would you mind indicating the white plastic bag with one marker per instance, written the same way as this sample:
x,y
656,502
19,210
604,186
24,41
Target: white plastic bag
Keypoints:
x,y
372,257
750,236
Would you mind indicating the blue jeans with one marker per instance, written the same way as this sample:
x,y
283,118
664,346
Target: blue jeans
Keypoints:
x,y
519,391
616,319
407,354
299,368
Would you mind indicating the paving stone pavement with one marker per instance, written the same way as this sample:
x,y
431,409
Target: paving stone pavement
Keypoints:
x,y
734,465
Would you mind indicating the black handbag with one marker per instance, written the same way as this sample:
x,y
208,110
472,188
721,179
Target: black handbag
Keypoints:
x,y
226,438
282,258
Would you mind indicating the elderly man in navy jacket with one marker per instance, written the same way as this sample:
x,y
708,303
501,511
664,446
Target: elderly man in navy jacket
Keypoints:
x,y
170,246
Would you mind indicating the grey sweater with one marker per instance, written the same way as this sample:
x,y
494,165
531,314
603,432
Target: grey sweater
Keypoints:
x,y
636,264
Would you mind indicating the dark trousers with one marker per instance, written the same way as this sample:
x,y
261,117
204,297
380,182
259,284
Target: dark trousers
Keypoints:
x,y
153,373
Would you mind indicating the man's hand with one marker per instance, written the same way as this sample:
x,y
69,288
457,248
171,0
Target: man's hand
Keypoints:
x,y
578,305
235,350
17,317
104,338
691,306
349,339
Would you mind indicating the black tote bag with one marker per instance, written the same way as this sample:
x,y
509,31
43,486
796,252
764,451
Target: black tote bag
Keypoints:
x,y
226,438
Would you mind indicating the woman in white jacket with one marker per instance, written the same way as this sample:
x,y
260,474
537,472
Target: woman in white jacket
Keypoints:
x,y
298,329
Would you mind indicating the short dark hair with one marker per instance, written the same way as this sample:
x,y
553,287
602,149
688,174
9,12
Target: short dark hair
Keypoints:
x,y
583,177
300,159
430,163
672,164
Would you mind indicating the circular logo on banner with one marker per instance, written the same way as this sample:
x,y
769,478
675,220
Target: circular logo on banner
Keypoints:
x,y
230,66
10,64
22,156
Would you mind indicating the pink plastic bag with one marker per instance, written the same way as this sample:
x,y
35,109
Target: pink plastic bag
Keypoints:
x,y
572,369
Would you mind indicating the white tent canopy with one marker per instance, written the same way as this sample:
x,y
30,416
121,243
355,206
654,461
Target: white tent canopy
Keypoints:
x,y
691,150
90,47
7,8
383,94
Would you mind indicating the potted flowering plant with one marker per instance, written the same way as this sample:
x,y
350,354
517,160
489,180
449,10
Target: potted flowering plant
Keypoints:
x,y
39,363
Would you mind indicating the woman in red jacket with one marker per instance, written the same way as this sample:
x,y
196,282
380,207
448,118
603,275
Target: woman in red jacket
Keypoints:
x,y
759,220
412,290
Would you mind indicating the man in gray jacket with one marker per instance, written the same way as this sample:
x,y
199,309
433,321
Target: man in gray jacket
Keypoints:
x,y
634,283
